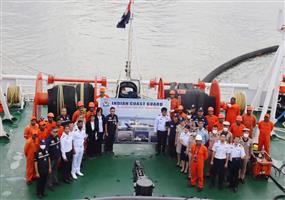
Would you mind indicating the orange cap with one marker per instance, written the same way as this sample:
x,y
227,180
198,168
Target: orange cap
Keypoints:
x,y
210,109
91,104
33,118
42,123
249,108
80,103
266,115
51,115
102,89
171,92
221,116
239,118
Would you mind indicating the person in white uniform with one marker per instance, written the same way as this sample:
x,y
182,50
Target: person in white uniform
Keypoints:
x,y
78,137
66,148
236,154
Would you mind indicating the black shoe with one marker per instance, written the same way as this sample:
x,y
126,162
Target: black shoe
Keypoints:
x,y
50,188
242,181
70,179
200,189
44,194
40,196
157,154
235,189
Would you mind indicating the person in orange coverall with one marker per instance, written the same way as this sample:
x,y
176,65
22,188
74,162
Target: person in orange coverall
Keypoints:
x,y
50,123
31,128
78,112
174,103
265,127
31,147
249,120
199,153
237,127
232,110
181,113
211,118
42,132
101,95
220,123
90,112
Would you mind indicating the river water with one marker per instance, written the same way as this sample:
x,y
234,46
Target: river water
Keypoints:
x,y
178,40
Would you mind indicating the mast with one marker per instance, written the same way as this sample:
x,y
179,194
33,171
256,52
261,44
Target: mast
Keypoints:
x,y
129,60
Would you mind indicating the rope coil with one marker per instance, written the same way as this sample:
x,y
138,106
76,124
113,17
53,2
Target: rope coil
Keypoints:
x,y
13,95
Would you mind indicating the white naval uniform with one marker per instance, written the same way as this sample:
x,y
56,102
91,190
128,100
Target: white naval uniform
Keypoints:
x,y
65,144
78,138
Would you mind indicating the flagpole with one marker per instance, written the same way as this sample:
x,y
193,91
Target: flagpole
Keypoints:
x,y
129,61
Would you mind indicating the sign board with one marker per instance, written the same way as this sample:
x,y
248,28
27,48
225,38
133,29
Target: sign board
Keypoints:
x,y
135,115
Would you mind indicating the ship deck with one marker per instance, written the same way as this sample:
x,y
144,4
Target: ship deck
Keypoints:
x,y
112,175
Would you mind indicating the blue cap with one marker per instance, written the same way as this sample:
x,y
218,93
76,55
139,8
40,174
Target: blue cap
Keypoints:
x,y
200,109
42,142
182,119
193,106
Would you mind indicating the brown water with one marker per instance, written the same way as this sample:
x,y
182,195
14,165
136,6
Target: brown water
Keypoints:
x,y
176,39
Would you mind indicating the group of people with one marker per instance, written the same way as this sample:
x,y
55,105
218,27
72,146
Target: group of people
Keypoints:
x,y
59,144
223,143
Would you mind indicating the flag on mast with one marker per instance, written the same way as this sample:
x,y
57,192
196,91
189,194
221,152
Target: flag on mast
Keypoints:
x,y
126,17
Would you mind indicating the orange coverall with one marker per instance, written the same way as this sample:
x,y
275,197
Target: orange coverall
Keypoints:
x,y
42,135
265,129
250,122
237,130
31,147
29,130
232,112
75,115
182,115
49,126
174,104
212,119
197,166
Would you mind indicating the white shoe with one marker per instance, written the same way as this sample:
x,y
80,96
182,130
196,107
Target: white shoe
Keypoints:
x,y
73,175
80,174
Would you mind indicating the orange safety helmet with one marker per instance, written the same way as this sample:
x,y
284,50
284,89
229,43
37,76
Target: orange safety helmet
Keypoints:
x,y
50,114
91,104
80,103
102,89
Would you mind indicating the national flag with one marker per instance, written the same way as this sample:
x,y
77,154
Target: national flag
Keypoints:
x,y
126,17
